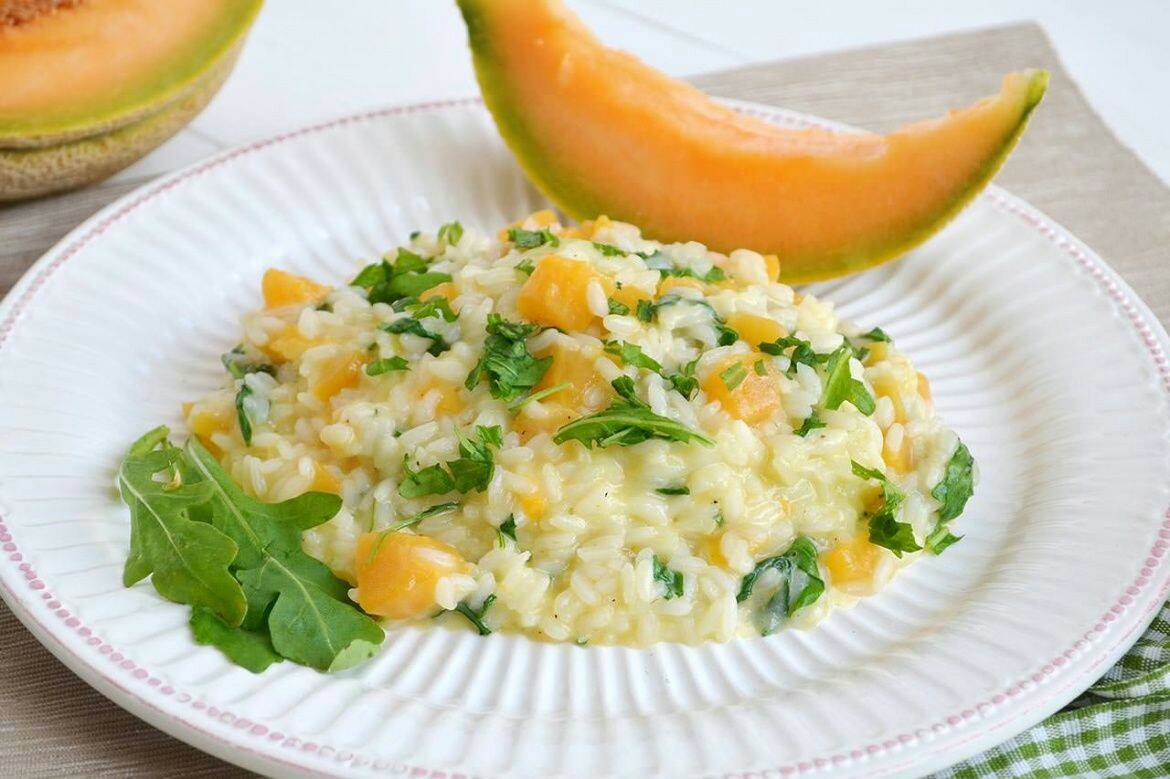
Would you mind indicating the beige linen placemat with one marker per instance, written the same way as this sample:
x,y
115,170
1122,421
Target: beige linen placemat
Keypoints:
x,y
1068,165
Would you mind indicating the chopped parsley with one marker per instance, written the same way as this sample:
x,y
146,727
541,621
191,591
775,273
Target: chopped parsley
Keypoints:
x,y
884,528
507,529
684,382
802,352
617,307
414,327
657,260
387,365
508,366
800,585
878,335
627,421
608,250
673,490
673,580
645,310
436,307
526,266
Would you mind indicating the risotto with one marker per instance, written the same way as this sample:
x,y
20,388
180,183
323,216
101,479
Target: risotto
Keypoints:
x,y
586,436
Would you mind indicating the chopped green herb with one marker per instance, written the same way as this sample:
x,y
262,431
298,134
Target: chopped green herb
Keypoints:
x,y
544,393
242,396
952,493
415,327
427,513
249,649
507,529
733,375
876,335
475,617
530,239
811,422
581,641
645,310
625,422
406,277
884,528
800,584
840,386
673,490
608,250
802,352
471,471
451,233
684,382
632,354
760,367
387,365
415,234
239,365
725,336
438,307
509,367
719,519
619,308
672,579
657,260
526,266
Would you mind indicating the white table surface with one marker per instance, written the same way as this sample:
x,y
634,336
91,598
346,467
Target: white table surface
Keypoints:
x,y
309,61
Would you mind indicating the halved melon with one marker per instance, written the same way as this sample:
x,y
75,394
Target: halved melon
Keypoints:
x,y
600,132
88,86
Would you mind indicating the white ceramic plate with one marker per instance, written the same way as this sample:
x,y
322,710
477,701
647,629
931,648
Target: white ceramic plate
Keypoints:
x,y
1046,364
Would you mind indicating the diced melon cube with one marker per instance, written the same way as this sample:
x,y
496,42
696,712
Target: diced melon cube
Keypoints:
x,y
397,573
288,345
342,372
282,288
324,480
556,293
754,398
852,562
755,329
574,367
445,290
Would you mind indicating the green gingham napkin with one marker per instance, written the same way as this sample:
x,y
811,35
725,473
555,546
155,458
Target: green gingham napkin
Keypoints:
x,y
1119,727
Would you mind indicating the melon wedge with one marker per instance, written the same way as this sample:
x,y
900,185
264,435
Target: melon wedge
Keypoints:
x,y
602,133
88,86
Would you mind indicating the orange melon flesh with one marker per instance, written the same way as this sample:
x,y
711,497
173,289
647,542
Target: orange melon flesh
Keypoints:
x,y
600,132
100,64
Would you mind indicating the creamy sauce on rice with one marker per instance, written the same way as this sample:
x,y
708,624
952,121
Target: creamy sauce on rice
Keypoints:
x,y
803,445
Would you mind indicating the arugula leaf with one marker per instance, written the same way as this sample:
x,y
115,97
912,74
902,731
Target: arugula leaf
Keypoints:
x,y
432,480
733,375
530,239
472,471
475,617
657,260
811,422
884,527
952,493
509,367
802,352
608,250
645,310
632,354
386,365
451,233
684,382
544,393
415,327
957,485
438,307
724,335
250,649
188,560
800,584
625,422
427,513
406,277
617,307
840,386
673,490
671,578
507,529
304,608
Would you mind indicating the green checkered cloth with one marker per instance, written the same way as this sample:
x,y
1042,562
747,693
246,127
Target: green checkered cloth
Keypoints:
x,y
1119,727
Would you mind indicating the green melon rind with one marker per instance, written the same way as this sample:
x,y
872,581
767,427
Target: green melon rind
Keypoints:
x,y
565,190
28,173
174,86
